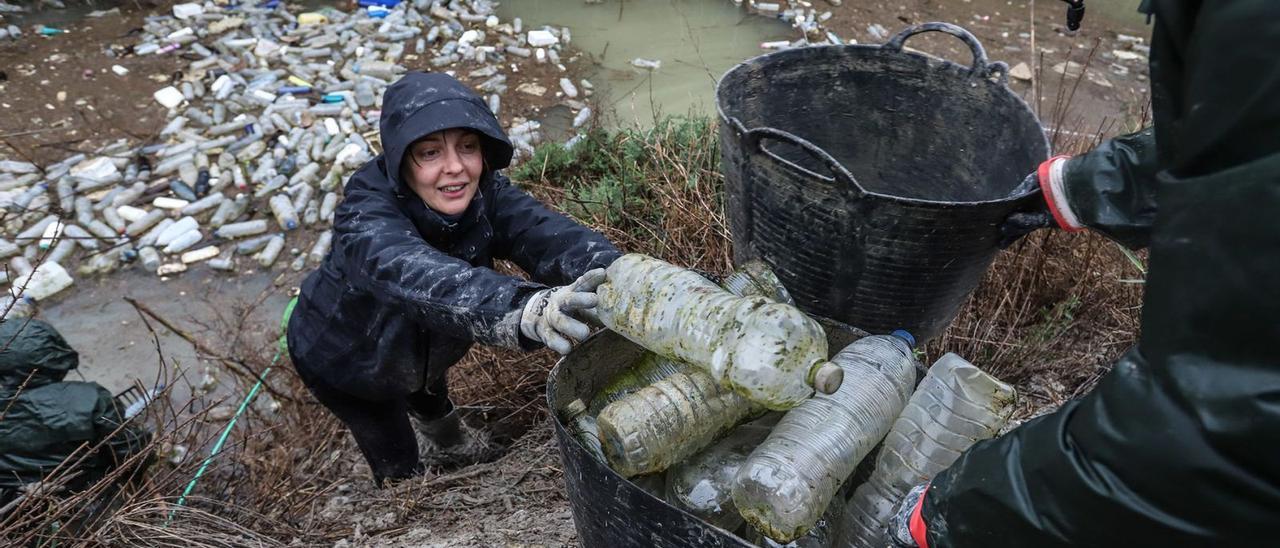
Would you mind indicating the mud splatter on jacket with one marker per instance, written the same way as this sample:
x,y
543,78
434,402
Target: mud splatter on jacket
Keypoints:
x,y
404,292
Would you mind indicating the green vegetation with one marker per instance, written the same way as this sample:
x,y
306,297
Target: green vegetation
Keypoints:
x,y
626,180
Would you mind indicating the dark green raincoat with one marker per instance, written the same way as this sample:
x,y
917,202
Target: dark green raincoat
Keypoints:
x,y
48,419
1180,444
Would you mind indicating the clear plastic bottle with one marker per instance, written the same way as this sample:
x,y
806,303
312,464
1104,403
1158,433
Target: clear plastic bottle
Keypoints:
x,y
282,207
701,484
182,226
755,278
240,230
184,241
789,480
321,248
647,369
955,406
229,210
583,427
771,353
651,435
271,251
145,222
824,534
752,279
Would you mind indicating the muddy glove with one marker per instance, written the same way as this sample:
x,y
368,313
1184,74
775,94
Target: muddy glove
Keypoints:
x,y
1052,212
906,527
549,317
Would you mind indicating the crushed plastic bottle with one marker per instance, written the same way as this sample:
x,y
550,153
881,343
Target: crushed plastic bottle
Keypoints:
x,y
955,406
771,353
42,282
787,483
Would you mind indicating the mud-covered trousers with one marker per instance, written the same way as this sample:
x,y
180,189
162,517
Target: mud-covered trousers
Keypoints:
x,y
381,428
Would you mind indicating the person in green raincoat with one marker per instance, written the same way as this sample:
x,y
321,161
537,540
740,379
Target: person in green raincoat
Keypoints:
x,y
47,420
1178,444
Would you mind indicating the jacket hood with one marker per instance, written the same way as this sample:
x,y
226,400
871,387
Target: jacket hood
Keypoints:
x,y
33,345
419,104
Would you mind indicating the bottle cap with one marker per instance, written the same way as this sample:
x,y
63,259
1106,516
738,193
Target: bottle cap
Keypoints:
x,y
902,334
828,378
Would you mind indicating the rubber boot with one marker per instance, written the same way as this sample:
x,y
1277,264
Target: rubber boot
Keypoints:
x,y
448,441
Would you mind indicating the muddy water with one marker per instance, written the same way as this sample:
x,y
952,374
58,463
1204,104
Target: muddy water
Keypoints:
x,y
696,41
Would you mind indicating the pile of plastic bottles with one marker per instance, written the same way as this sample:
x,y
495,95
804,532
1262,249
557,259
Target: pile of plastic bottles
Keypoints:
x,y
697,433
273,112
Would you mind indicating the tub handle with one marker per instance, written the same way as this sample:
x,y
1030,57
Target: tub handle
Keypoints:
x,y
980,67
752,142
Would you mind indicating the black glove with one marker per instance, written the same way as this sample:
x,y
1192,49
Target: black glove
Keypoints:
x,y
1019,224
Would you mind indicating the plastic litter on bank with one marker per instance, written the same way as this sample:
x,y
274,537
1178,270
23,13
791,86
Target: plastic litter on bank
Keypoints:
x,y
273,111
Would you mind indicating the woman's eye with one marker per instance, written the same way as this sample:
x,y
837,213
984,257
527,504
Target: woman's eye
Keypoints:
x,y
428,154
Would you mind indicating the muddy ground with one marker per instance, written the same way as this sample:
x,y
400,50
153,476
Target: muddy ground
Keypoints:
x,y
519,499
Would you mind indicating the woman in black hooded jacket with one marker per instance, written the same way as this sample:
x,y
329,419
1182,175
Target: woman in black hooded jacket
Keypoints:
x,y
409,285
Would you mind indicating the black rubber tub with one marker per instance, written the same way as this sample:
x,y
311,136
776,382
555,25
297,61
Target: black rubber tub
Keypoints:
x,y
608,510
874,180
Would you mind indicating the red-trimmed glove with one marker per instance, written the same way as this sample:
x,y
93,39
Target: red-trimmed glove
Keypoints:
x,y
1054,212
906,528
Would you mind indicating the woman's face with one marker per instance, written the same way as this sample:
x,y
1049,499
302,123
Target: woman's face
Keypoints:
x,y
444,169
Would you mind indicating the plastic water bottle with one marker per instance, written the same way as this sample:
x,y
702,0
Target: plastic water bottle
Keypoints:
x,y
666,422
271,251
823,534
282,208
771,353
240,230
701,484
144,223
651,430
755,278
752,279
184,241
789,480
583,427
321,248
955,406
150,258
182,226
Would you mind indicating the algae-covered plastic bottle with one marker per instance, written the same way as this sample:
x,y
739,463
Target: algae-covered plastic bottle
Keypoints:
x,y
667,421
700,485
823,534
789,480
955,406
772,353
752,279
646,431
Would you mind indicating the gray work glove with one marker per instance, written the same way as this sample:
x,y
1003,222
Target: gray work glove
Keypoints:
x,y
552,316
